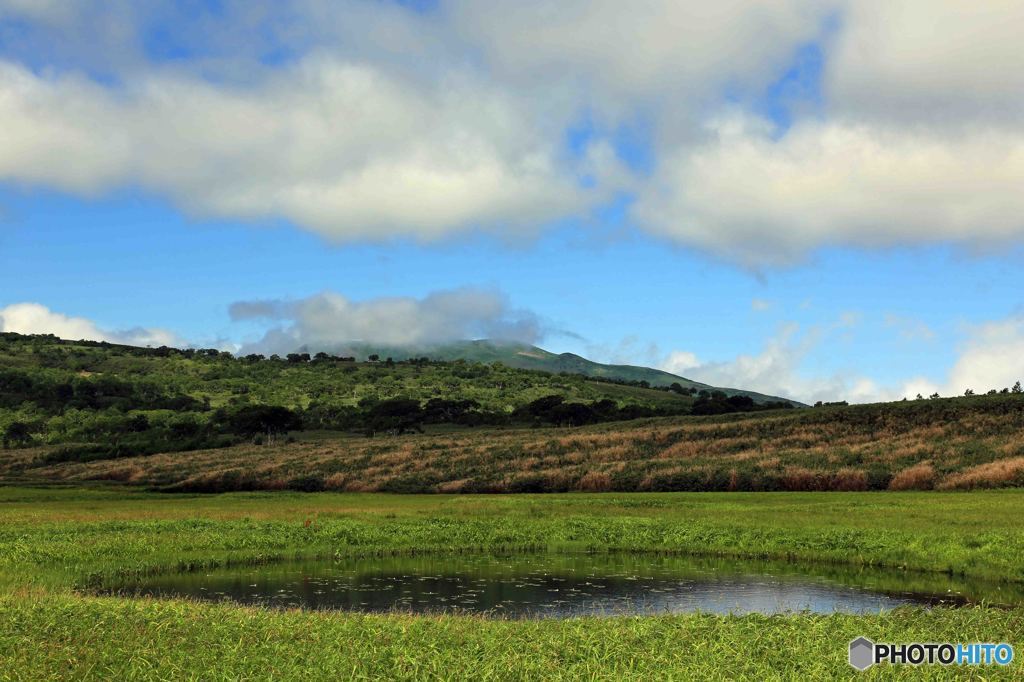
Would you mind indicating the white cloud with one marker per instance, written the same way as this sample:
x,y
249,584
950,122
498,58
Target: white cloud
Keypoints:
x,y
345,149
991,357
33,318
774,371
329,320
385,122
780,368
941,61
760,305
761,200
678,52
680,362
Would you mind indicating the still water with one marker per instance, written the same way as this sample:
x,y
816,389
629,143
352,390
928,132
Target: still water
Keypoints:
x,y
563,586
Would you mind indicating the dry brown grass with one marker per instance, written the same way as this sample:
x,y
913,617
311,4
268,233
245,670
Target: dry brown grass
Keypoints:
x,y
335,482
456,486
803,479
849,480
921,476
991,475
747,453
595,482
685,449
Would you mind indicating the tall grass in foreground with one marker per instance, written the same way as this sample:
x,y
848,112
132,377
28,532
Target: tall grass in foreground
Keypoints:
x,y
88,638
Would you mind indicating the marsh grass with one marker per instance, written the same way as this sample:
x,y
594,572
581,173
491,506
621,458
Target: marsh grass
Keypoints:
x,y
90,638
54,541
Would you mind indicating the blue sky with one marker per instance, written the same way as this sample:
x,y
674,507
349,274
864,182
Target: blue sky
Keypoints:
x,y
767,211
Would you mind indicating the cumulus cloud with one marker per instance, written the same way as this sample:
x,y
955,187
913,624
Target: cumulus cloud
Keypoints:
x,y
761,200
344,149
386,122
329,320
991,358
677,52
33,318
937,61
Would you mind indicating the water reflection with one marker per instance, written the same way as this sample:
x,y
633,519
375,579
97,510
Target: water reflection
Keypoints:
x,y
561,586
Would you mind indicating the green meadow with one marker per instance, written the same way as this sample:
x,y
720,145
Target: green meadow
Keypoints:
x,y
60,546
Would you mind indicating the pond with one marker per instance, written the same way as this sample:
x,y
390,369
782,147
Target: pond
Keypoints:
x,y
563,586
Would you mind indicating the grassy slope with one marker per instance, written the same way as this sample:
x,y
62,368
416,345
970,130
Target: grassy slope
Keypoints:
x,y
51,540
296,385
531,357
961,443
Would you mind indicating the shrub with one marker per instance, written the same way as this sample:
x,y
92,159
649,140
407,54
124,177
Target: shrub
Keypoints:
x,y
306,484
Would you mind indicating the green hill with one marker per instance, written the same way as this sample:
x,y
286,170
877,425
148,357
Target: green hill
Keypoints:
x,y
523,356
100,400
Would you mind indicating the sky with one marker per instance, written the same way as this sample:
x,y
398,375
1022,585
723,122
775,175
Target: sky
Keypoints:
x,y
820,199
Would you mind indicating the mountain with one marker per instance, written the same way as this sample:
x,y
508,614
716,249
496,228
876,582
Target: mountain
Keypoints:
x,y
524,356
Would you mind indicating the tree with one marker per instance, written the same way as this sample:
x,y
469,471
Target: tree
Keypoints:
x,y
1017,388
542,408
270,420
572,414
395,416
741,403
138,423
968,392
373,358
17,433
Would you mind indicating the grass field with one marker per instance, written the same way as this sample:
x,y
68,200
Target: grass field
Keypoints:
x,y
56,542
953,444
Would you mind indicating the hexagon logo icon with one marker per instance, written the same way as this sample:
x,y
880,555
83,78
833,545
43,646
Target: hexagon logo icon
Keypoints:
x,y
862,653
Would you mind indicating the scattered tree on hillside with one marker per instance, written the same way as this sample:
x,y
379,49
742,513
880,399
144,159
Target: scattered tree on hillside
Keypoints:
x,y
17,433
394,417
268,420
